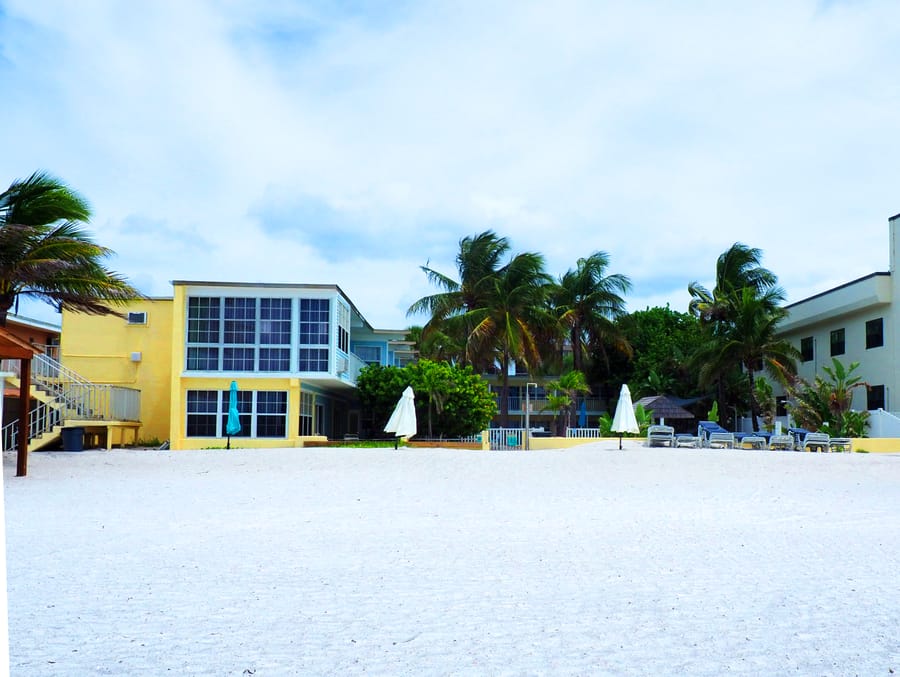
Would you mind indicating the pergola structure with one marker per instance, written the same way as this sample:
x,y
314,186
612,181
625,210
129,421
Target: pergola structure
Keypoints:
x,y
14,348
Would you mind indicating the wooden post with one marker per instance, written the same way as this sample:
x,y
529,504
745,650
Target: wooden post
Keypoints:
x,y
24,409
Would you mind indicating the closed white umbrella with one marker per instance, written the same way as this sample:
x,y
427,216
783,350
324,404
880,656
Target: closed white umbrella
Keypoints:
x,y
624,421
403,420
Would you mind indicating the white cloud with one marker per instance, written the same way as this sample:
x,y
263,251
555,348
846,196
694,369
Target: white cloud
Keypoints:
x,y
658,133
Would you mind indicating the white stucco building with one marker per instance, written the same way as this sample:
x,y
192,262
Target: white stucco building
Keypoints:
x,y
854,322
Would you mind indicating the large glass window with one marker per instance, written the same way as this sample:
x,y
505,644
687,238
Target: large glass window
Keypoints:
x,y
837,342
262,413
271,413
314,331
202,406
343,327
314,321
239,334
875,333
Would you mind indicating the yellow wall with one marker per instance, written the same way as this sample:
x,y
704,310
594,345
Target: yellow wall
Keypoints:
x,y
100,350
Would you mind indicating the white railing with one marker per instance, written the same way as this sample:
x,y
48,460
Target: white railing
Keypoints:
x,y
587,433
10,435
883,424
74,397
505,439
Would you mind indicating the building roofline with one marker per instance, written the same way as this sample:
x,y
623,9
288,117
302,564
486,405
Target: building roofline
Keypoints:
x,y
31,322
275,285
895,216
840,286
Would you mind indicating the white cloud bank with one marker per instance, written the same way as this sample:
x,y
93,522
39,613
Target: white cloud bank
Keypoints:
x,y
293,142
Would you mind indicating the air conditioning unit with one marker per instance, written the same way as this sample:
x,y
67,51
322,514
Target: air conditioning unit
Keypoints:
x,y
343,365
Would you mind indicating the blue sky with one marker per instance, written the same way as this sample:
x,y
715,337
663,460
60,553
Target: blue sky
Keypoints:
x,y
351,142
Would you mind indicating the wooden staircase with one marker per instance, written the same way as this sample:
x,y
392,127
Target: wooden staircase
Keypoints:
x,y
64,398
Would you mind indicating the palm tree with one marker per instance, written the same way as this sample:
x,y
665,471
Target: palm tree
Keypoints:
x,y
45,254
751,342
736,268
509,319
478,263
588,301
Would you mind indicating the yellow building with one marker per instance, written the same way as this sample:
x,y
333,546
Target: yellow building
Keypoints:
x,y
294,351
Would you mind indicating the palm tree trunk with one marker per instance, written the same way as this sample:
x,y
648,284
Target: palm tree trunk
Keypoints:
x,y
754,405
504,390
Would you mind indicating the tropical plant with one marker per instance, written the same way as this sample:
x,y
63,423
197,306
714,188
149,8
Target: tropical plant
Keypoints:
x,y
737,268
825,404
434,380
587,301
45,253
713,413
565,392
765,397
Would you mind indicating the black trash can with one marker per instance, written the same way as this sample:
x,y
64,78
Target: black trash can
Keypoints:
x,y
73,439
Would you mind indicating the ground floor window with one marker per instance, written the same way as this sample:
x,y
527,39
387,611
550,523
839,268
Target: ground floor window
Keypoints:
x,y
263,413
307,405
875,398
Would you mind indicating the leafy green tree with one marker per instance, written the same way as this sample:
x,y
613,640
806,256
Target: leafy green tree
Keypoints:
x,y
737,268
379,388
663,341
45,253
588,301
765,396
436,381
469,406
825,404
457,401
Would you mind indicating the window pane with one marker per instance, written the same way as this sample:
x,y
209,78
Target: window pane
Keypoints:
x,y
806,349
202,359
875,397
275,321
274,359
314,359
201,413
238,359
314,321
240,320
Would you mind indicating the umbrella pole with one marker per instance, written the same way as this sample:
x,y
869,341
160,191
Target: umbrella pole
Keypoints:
x,y
228,443
620,441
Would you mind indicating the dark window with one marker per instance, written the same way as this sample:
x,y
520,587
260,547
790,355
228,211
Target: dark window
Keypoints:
x,y
240,321
780,408
275,322
238,359
837,342
137,318
274,359
875,333
807,353
271,414
201,413
875,397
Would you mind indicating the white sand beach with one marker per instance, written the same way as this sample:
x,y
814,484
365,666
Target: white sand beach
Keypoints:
x,y
589,561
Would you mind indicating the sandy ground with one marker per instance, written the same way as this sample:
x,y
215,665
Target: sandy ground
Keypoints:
x,y
590,561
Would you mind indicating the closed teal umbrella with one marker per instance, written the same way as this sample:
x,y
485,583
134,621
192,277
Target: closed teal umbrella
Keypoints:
x,y
233,426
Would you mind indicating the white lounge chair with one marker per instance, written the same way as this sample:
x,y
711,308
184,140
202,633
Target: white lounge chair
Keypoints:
x,y
817,441
660,436
841,444
720,440
781,442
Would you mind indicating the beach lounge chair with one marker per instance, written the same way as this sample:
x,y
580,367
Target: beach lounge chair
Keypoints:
x,y
751,442
660,436
841,444
785,442
712,435
685,440
815,441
